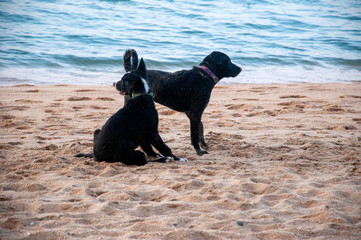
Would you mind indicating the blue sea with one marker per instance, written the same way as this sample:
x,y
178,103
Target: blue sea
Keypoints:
x,y
83,41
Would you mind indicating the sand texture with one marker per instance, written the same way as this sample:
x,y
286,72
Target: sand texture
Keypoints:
x,y
284,163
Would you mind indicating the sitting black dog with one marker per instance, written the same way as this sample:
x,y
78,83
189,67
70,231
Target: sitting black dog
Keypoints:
x,y
133,125
188,91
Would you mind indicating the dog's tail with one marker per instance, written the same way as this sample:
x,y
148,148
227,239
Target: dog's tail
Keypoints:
x,y
85,155
90,155
130,60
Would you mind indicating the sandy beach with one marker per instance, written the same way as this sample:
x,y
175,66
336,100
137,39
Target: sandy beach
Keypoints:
x,y
283,163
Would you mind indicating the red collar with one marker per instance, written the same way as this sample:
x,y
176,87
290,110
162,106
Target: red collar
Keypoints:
x,y
210,73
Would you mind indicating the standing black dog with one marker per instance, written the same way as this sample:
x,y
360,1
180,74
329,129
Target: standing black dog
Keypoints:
x,y
188,91
133,125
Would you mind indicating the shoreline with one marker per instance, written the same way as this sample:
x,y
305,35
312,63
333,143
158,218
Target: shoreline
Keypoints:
x,y
283,160
218,84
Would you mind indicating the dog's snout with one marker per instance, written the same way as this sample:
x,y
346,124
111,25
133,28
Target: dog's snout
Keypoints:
x,y
234,70
118,85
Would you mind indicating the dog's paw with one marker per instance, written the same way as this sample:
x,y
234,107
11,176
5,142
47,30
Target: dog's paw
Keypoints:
x,y
181,160
161,159
201,152
164,159
156,156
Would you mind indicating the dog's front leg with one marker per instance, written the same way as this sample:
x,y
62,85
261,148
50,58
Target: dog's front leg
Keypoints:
x,y
203,141
158,143
147,148
195,132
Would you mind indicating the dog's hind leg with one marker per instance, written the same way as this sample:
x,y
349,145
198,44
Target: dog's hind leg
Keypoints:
x,y
203,141
131,158
96,136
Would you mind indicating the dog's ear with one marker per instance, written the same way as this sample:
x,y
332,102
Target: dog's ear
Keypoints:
x,y
142,68
217,57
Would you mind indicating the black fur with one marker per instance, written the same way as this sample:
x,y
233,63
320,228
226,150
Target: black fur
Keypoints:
x,y
133,125
188,91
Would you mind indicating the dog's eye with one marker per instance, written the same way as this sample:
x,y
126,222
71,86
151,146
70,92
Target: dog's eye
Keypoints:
x,y
127,79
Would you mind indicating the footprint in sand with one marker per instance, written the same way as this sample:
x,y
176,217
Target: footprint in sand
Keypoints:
x,y
78,107
15,143
33,91
286,103
266,112
49,111
90,132
357,120
253,114
27,101
245,107
251,99
257,90
55,104
85,90
320,216
19,108
24,127
332,108
258,188
79,99
292,96
43,138
98,107
271,200
94,192
7,121
105,99
293,106
236,115
350,96
50,147
260,180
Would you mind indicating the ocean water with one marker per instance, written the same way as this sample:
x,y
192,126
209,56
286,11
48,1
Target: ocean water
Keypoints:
x,y
274,41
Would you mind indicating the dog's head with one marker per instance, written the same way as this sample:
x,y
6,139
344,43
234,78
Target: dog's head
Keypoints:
x,y
221,65
134,82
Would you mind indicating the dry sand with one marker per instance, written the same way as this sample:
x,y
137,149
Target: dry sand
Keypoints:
x,y
284,163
